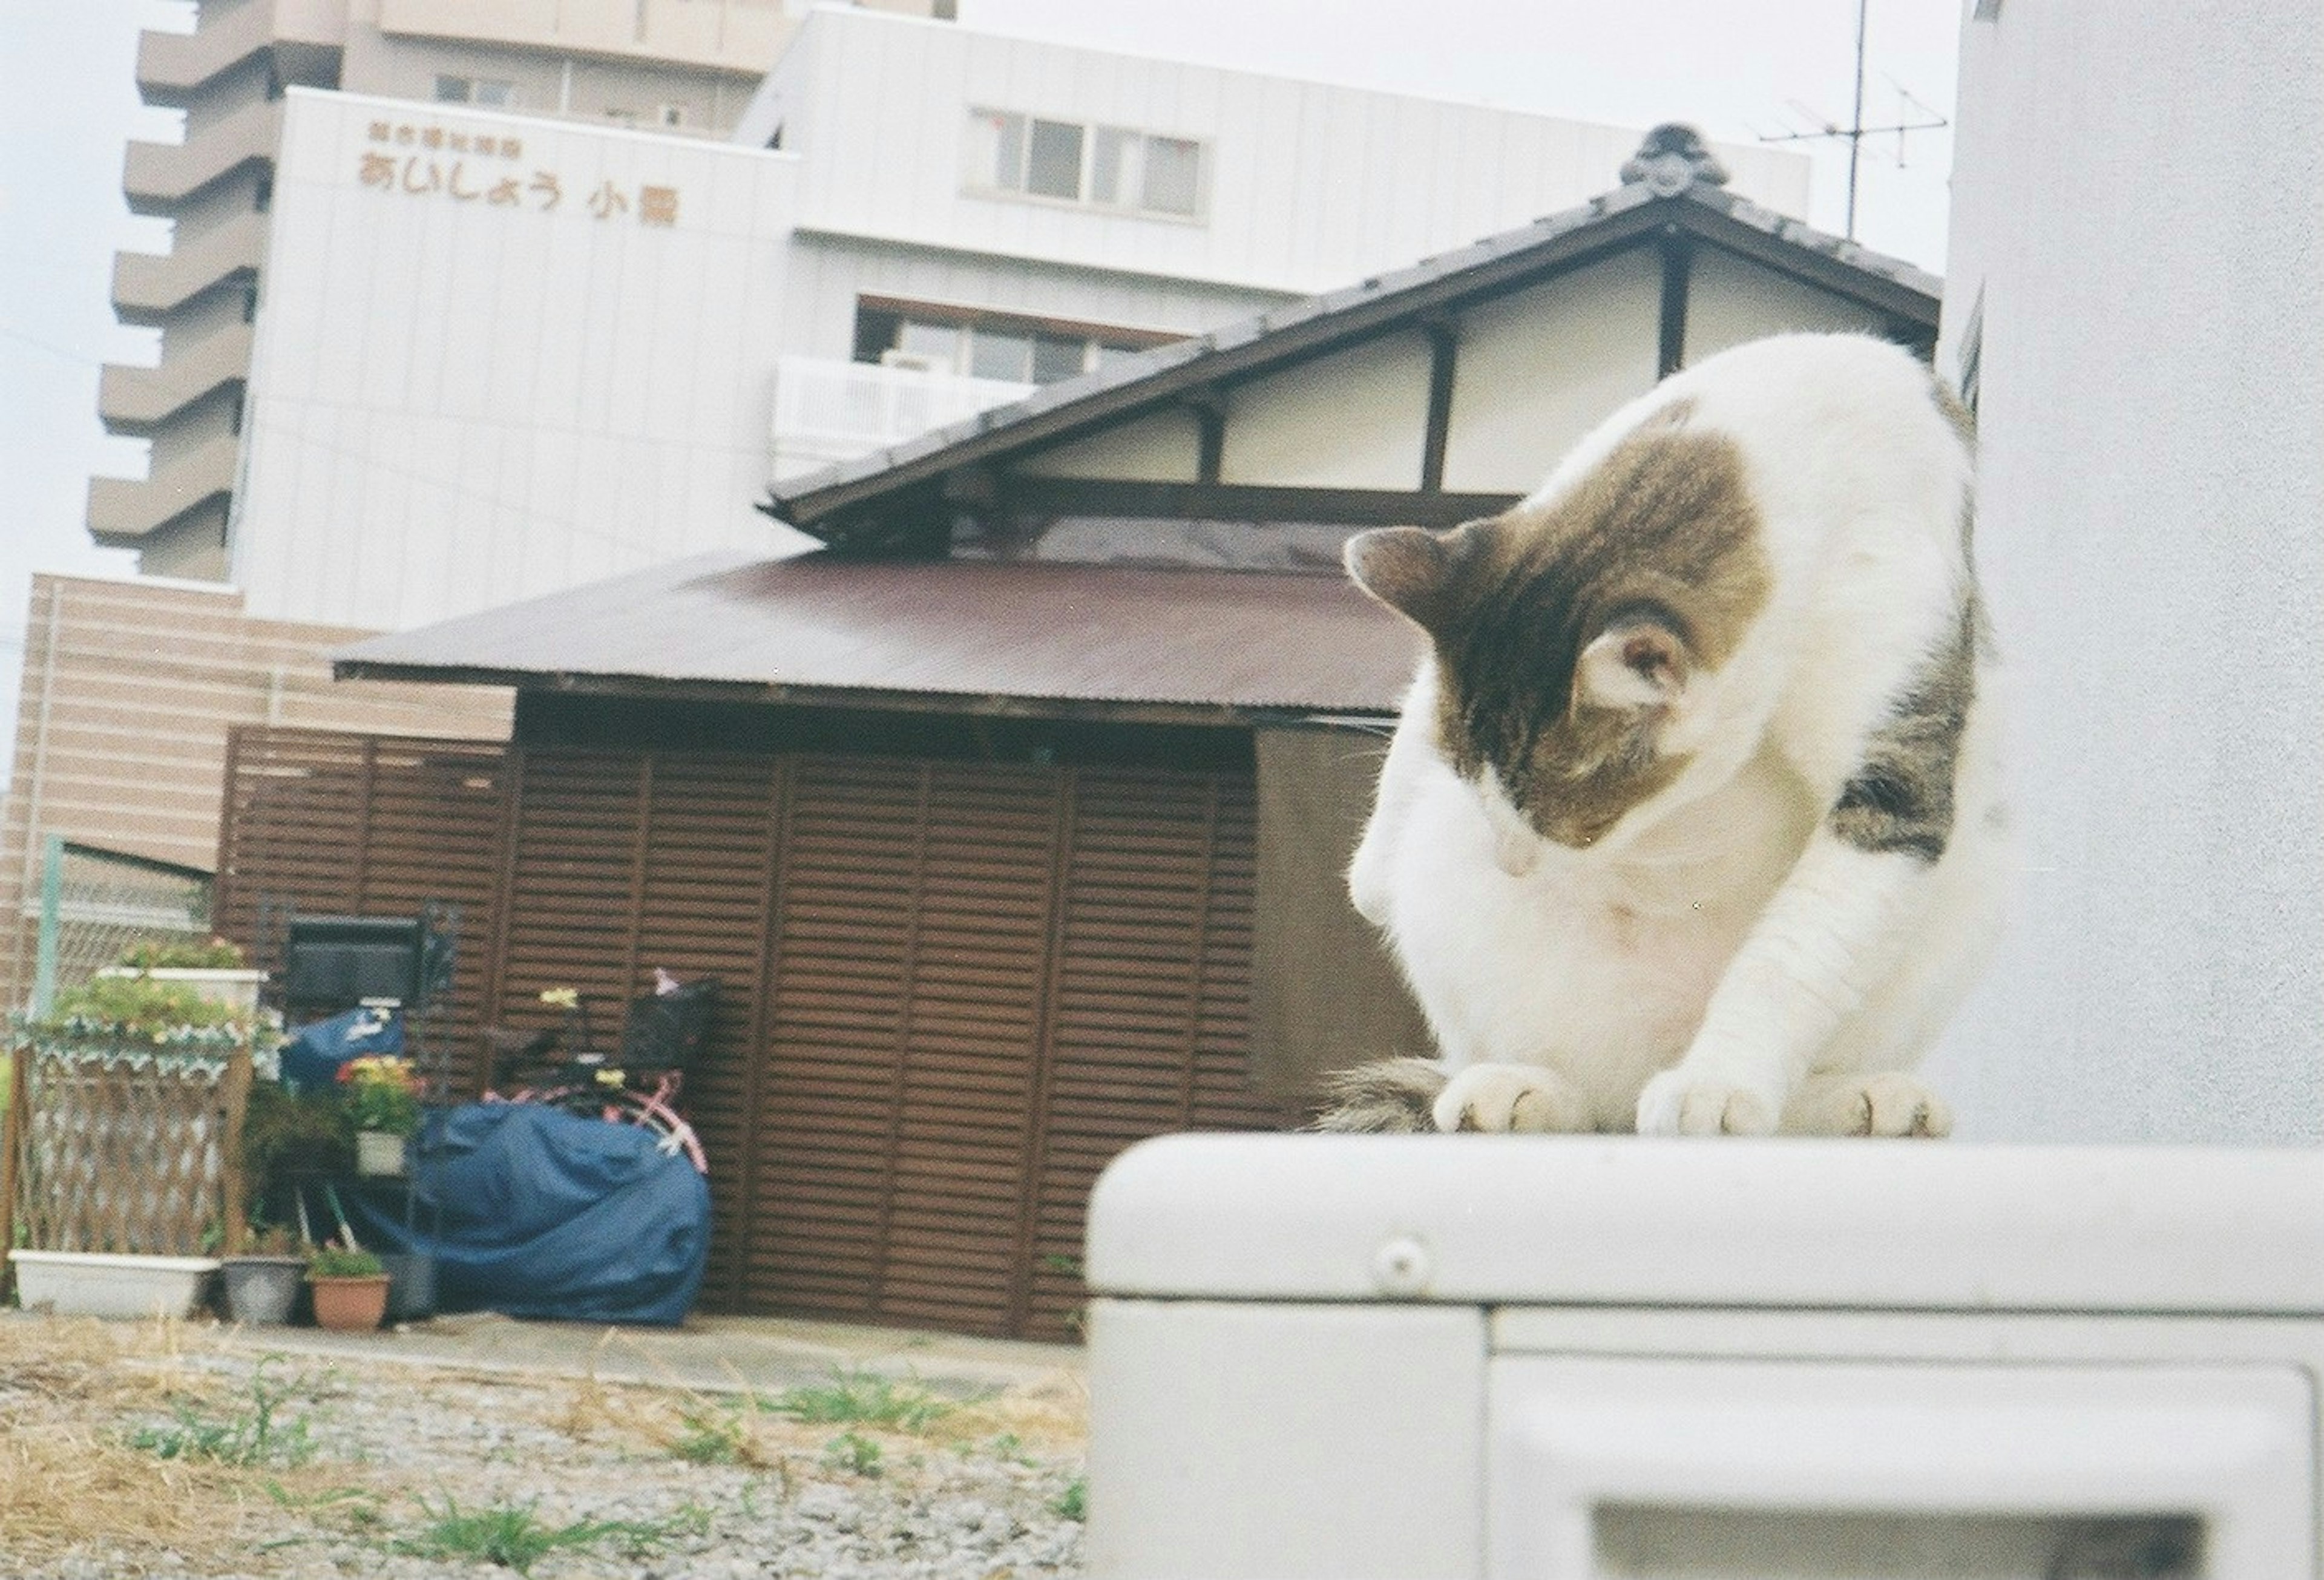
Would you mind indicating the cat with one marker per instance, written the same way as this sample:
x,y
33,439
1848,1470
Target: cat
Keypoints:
x,y
1692,821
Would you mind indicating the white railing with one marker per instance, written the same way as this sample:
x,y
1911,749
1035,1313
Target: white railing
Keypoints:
x,y
828,411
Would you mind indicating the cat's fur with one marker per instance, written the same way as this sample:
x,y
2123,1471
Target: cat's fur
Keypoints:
x,y
1691,822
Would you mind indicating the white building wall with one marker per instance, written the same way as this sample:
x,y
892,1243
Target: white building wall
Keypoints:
x,y
2137,223
1377,179
459,402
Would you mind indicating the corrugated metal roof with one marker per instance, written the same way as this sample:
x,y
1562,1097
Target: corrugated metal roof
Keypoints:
x,y
1240,349
993,637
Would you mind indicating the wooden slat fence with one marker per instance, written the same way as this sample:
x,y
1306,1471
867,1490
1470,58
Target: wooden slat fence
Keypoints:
x,y
122,1148
951,991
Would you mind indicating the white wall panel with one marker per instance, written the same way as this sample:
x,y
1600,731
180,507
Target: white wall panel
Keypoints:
x,y
2151,457
1730,300
1165,447
1540,368
1357,419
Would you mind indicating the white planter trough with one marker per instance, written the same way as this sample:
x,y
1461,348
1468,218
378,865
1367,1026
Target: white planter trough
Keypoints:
x,y
235,988
88,1283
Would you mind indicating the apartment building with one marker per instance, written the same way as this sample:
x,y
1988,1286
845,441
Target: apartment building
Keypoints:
x,y
686,68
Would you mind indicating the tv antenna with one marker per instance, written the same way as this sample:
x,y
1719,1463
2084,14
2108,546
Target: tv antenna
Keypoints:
x,y
1856,130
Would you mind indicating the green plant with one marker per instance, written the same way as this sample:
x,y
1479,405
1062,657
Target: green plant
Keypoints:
x,y
1072,1503
286,1133
218,954
512,1536
250,1438
712,1435
867,1399
338,1261
270,1240
137,1006
853,1453
380,1094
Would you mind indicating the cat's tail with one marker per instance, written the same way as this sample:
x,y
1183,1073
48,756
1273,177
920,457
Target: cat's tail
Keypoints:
x,y
1389,1096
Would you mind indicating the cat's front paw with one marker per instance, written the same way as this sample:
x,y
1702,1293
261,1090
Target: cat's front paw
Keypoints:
x,y
1888,1104
1521,1098
1679,1102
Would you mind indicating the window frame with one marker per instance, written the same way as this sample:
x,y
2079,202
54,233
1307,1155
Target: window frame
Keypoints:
x,y
994,138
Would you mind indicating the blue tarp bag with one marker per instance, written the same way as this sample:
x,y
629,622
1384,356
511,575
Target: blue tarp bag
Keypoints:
x,y
312,1057
533,1212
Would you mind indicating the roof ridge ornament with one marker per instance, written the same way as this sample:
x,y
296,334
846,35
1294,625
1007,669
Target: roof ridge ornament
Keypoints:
x,y
1672,158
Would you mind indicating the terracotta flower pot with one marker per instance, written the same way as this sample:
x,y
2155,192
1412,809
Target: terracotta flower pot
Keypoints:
x,y
350,1305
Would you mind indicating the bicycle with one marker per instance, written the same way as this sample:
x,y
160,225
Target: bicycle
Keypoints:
x,y
562,1066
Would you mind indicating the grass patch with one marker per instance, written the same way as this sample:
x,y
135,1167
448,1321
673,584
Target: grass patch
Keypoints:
x,y
864,1399
1072,1503
715,1434
854,1454
248,1438
512,1536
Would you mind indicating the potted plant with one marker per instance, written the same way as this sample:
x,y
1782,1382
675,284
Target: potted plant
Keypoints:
x,y
381,1104
261,1284
216,970
350,1287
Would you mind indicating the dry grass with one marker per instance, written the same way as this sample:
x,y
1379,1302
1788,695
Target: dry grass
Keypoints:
x,y
70,1478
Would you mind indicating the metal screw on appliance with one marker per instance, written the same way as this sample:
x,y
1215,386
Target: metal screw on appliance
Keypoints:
x,y
1403,1266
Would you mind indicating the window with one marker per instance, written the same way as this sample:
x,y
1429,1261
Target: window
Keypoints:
x,y
1172,173
931,338
1053,163
1103,167
475,90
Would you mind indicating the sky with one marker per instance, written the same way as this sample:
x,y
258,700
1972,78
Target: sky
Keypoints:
x,y
1740,70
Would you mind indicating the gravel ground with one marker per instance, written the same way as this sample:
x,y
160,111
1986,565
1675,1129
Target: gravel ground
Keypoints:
x,y
138,1451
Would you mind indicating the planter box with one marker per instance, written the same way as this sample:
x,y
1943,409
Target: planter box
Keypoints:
x,y
237,989
87,1283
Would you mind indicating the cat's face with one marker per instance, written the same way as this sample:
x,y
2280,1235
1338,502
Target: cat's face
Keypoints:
x,y
1573,638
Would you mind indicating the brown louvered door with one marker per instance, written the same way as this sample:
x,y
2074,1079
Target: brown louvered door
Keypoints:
x,y
705,884
840,950
1151,1021
899,1117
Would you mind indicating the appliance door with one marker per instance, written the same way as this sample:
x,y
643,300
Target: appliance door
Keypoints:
x,y
1748,1468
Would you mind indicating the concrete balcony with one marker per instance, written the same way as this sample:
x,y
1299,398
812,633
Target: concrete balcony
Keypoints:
x,y
172,68
731,35
147,287
123,511
832,412
135,401
158,176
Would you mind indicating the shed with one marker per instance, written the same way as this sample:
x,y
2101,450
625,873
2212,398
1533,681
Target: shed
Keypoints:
x,y
1013,816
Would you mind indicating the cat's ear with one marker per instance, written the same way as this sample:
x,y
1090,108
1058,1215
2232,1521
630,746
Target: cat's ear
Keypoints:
x,y
1637,662
1406,568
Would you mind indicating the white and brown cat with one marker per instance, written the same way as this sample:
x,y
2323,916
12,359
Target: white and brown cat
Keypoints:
x,y
1692,823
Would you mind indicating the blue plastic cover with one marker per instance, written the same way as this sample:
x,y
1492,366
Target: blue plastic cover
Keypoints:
x,y
312,1057
533,1212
